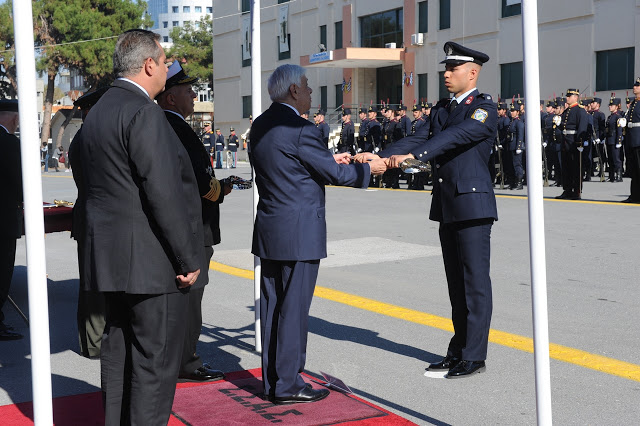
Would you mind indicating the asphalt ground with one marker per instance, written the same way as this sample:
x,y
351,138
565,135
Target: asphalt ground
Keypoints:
x,y
381,309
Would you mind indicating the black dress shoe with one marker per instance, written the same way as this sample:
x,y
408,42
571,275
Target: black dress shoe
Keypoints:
x,y
6,334
201,374
447,363
306,394
630,200
564,195
466,368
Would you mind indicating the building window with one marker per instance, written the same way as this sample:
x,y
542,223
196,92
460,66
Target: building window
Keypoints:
x,y
283,1
423,17
338,28
185,23
196,25
614,69
511,80
323,97
165,39
175,9
198,9
186,9
209,9
246,6
382,28
175,23
245,62
323,35
445,14
422,87
442,91
511,8
284,55
165,24
246,106
339,93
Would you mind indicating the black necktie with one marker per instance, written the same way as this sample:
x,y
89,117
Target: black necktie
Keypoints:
x,y
452,105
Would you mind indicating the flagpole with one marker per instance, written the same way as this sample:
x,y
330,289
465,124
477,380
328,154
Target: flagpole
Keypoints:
x,y
536,214
33,217
256,110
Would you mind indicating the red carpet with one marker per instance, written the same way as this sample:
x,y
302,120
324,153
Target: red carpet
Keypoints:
x,y
236,402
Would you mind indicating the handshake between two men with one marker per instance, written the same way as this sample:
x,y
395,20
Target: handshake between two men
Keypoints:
x,y
378,165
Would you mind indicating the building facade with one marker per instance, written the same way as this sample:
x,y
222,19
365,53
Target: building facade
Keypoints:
x,y
360,52
167,14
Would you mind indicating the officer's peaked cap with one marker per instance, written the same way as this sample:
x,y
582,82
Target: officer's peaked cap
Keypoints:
x,y
9,105
457,54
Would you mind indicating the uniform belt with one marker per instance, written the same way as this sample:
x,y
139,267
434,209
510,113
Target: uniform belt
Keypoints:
x,y
633,124
569,132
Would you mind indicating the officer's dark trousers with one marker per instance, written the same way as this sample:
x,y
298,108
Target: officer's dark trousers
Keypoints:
x,y
615,163
7,260
190,359
518,170
634,169
587,160
507,163
286,290
90,315
140,356
558,158
571,170
466,250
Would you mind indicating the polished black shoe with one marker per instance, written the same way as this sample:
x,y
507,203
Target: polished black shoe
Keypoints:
x,y
630,200
306,394
466,368
447,363
201,374
6,334
564,195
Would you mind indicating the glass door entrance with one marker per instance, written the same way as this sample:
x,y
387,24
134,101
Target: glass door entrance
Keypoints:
x,y
389,82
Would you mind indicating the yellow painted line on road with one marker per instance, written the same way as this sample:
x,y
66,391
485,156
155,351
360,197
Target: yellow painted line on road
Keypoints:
x,y
577,357
66,176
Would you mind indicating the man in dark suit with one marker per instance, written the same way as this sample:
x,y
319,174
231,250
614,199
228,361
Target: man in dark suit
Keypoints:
x,y
177,102
143,234
90,315
464,128
292,166
11,213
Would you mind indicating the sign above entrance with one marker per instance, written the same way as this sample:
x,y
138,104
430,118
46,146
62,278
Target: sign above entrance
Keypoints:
x,y
321,57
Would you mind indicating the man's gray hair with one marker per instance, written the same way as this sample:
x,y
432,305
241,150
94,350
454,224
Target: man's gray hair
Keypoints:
x,y
282,78
132,49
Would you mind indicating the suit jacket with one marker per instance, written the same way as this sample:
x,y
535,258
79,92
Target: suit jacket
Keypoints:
x,y
143,224
460,149
11,176
77,221
292,166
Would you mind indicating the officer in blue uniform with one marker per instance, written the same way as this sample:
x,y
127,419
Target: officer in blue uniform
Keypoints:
x,y
516,144
547,140
599,127
574,132
502,128
614,133
633,145
373,138
587,152
347,132
416,182
463,202
405,122
232,145
323,127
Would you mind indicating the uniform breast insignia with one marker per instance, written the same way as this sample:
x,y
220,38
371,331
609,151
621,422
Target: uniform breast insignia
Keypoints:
x,y
469,100
480,115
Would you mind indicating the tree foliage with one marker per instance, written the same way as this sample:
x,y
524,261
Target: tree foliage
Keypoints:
x,y
81,35
193,46
8,84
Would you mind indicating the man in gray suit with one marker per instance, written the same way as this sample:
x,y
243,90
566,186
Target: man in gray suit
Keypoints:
x,y
292,166
142,234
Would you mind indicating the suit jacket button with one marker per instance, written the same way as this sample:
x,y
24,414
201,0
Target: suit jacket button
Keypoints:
x,y
437,166
473,189
425,152
440,180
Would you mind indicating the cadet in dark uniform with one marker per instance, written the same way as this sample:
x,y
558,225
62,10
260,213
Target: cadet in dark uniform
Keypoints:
x,y
373,139
232,145
416,181
574,133
556,140
175,101
405,122
613,139
587,152
516,146
323,127
11,212
363,129
599,127
632,138
219,148
347,132
463,202
502,132
547,141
